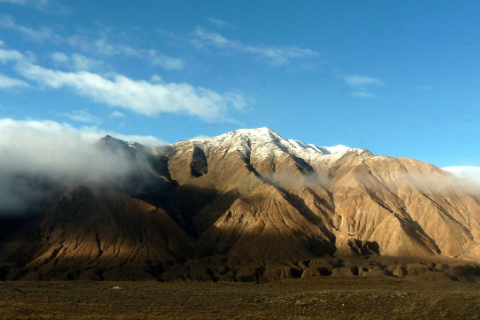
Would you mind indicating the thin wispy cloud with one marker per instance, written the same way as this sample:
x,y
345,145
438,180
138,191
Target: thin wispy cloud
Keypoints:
x,y
104,47
11,83
49,6
116,114
76,61
7,55
101,46
60,58
276,56
28,2
164,61
362,84
361,81
81,116
80,62
426,88
219,23
40,34
364,94
204,38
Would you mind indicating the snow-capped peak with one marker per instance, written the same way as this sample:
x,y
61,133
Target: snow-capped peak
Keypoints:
x,y
263,142
324,150
260,142
258,134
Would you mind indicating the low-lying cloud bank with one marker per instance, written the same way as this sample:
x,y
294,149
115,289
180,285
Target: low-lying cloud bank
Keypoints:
x,y
36,155
465,172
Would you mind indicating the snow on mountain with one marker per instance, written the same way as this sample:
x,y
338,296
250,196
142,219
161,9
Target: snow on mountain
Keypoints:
x,y
323,150
259,143
264,142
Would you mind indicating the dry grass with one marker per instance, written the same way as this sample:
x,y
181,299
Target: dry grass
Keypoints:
x,y
317,298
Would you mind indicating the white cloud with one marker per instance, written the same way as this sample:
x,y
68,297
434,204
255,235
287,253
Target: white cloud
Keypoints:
x,y
50,6
148,98
81,116
76,61
59,57
364,94
38,34
108,49
116,114
276,56
219,23
79,41
279,56
140,96
426,88
29,2
2,43
164,61
35,152
156,79
25,2
361,81
10,56
465,172
93,134
204,38
80,62
105,47
88,134
10,83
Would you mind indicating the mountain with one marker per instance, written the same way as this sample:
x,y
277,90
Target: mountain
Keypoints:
x,y
251,205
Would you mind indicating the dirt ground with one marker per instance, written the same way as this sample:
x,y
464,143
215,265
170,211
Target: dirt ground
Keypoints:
x,y
317,298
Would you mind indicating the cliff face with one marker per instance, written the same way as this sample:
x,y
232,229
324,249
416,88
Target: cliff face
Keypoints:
x,y
244,205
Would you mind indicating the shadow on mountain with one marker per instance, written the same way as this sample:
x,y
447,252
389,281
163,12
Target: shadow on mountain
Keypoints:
x,y
94,232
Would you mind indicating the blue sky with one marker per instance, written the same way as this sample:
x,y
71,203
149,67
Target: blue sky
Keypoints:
x,y
399,78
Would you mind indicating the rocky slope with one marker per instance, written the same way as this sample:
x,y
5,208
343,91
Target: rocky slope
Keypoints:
x,y
250,205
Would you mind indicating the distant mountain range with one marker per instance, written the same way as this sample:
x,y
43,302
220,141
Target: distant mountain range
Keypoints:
x,y
245,206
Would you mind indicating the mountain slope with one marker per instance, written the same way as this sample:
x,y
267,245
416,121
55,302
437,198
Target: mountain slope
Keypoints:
x,y
407,207
92,231
244,204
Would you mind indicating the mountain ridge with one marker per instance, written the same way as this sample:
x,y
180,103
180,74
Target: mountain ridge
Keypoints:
x,y
250,204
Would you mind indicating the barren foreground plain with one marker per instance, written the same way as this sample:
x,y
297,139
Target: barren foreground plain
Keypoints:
x,y
317,298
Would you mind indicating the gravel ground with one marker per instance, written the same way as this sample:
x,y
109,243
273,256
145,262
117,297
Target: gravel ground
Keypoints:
x,y
317,298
